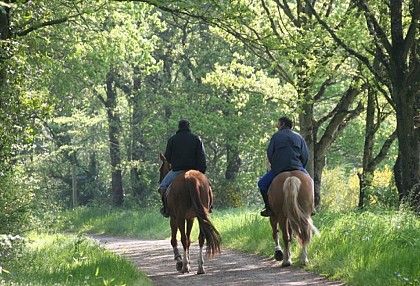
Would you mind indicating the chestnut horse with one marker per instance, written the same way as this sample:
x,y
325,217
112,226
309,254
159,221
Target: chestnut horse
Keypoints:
x,y
291,197
190,196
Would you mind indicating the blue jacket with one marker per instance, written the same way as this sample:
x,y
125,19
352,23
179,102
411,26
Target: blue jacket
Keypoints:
x,y
287,151
185,151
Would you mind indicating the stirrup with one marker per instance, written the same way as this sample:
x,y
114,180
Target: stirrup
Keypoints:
x,y
163,212
267,213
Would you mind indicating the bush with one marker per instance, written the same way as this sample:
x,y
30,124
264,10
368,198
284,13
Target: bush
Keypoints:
x,y
15,206
340,190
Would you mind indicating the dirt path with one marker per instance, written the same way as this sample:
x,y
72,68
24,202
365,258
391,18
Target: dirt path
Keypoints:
x,y
155,258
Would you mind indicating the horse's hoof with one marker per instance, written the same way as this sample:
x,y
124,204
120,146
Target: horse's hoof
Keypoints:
x,y
285,264
179,266
201,271
278,255
186,270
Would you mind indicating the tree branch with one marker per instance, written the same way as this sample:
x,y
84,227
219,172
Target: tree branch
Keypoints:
x,y
41,25
384,151
341,43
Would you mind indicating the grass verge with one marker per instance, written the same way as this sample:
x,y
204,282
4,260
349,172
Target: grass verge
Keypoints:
x,y
70,260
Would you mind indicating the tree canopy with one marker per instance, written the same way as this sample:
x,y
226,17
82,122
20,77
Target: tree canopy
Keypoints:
x,y
90,91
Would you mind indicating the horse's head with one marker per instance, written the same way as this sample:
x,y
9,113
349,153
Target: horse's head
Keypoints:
x,y
164,168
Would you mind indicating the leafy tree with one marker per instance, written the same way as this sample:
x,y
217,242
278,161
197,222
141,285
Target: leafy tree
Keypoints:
x,y
393,29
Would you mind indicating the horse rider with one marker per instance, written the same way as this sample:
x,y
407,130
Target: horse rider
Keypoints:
x,y
184,151
287,151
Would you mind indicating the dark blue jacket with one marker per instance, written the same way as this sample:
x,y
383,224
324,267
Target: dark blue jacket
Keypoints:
x,y
185,151
287,151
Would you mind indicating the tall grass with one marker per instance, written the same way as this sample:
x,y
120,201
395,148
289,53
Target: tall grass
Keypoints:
x,y
70,260
369,248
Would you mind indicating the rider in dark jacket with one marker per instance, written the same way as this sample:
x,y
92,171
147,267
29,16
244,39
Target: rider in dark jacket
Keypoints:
x,y
184,151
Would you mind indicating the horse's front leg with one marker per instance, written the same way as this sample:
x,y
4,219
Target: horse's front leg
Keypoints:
x,y
286,240
278,252
174,243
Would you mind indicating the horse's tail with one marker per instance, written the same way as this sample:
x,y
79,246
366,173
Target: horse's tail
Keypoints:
x,y
211,234
299,220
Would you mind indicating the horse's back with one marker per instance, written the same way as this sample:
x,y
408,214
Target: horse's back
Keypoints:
x,y
305,194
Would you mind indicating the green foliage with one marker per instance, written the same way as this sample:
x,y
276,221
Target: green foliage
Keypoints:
x,y
70,260
340,190
16,205
228,194
11,248
383,192
166,71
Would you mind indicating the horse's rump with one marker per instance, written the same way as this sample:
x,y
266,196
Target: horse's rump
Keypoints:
x,y
190,191
291,195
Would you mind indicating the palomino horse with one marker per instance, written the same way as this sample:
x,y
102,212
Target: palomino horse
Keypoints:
x,y
190,196
291,197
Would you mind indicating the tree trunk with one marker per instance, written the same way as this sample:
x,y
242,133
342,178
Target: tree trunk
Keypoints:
x,y
114,123
404,76
137,144
408,146
233,162
136,155
365,178
74,185
4,37
306,121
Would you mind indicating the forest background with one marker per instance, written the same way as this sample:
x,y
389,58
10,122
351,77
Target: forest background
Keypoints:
x,y
91,90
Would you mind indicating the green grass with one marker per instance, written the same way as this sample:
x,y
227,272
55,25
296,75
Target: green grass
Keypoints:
x,y
357,248
70,260
368,248
126,222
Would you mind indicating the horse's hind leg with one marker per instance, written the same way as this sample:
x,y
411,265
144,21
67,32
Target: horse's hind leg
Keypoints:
x,y
286,239
200,254
174,243
278,252
185,239
304,258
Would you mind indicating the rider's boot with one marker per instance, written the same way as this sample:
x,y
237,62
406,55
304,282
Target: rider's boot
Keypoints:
x,y
164,209
267,211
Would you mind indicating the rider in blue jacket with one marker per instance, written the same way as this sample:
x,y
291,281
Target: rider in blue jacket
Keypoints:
x,y
287,151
